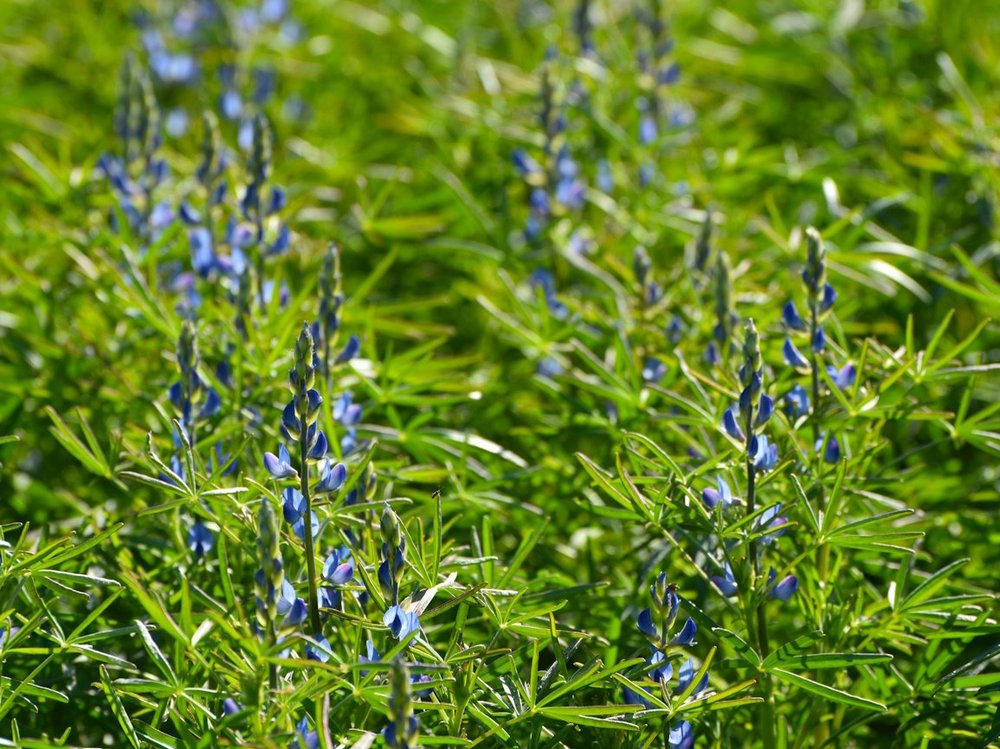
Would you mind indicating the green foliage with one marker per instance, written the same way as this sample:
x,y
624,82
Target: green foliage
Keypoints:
x,y
543,470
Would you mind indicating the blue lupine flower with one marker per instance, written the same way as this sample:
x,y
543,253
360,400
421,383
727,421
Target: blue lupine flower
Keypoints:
x,y
542,279
731,425
675,330
186,394
200,539
338,568
724,495
829,297
687,634
712,356
280,465
299,526
783,590
726,583
524,164
681,736
653,370
844,377
350,350
345,411
202,254
831,454
294,505
664,669
422,694
297,614
765,455
819,340
797,402
653,293
770,519
794,357
764,411
319,649
332,478
371,656
548,367
790,315
230,707
686,674
401,623
658,621
647,130
304,738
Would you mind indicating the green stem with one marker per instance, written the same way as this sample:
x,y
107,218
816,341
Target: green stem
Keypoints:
x,y
759,626
272,670
821,732
307,528
823,551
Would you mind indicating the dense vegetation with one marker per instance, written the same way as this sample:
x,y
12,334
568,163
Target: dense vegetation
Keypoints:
x,y
521,374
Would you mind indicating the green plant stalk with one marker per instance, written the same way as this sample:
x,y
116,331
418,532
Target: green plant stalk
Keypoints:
x,y
759,625
307,528
821,734
823,552
272,668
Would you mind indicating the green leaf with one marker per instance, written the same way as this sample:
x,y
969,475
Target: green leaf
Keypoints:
x,y
825,691
593,716
119,709
737,643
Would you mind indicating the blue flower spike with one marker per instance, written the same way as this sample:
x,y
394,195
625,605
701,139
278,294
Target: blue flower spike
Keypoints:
x,y
657,622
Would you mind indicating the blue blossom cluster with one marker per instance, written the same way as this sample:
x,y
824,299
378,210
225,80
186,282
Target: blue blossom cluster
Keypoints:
x,y
657,624
820,299
742,422
555,186
300,426
400,620
178,40
657,72
137,171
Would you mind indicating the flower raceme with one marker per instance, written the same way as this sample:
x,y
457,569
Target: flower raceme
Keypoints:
x,y
657,622
820,299
300,426
400,620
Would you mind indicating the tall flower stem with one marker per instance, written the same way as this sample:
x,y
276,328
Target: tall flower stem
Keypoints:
x,y
759,625
272,670
307,528
752,375
823,552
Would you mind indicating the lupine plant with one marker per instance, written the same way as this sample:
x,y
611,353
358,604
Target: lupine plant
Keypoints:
x,y
681,432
